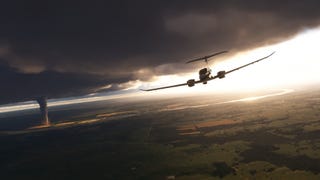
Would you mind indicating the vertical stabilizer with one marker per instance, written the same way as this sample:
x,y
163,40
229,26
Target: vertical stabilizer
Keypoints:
x,y
42,101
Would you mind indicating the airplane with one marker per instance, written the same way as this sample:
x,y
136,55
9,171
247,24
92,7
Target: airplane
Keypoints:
x,y
205,73
204,77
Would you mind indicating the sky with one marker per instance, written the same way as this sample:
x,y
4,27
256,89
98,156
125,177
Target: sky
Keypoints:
x,y
70,48
295,64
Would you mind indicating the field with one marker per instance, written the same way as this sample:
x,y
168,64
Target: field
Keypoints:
x,y
175,138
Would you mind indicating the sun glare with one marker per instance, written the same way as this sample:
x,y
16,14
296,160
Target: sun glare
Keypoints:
x,y
295,63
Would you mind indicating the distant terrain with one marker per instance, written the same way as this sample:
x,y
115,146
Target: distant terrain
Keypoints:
x,y
198,137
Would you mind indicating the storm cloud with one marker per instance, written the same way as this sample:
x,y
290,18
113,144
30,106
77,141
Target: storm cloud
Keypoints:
x,y
66,48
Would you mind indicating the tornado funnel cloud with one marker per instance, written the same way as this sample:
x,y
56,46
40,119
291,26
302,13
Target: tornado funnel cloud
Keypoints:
x,y
42,101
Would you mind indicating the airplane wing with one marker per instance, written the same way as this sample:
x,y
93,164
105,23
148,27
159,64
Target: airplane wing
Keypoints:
x,y
165,87
220,75
250,63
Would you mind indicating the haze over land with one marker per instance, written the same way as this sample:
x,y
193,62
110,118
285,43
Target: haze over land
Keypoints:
x,y
193,137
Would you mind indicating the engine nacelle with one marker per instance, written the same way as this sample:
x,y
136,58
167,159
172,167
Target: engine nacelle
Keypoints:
x,y
221,74
191,82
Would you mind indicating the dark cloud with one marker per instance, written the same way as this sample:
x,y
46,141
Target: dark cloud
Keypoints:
x,y
71,47
17,86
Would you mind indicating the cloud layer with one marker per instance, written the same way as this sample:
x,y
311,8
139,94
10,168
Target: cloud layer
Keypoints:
x,y
63,48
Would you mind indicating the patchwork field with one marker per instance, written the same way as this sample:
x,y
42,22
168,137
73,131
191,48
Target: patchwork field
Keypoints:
x,y
275,137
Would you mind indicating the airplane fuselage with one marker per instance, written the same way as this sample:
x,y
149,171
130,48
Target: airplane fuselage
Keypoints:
x,y
204,75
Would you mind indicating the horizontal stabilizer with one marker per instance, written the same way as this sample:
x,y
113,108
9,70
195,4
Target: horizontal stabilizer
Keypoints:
x,y
205,58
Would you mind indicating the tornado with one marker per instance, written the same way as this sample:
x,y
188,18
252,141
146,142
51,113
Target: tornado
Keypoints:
x,y
42,101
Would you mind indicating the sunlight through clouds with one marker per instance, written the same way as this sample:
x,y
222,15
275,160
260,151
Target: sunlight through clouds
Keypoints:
x,y
295,63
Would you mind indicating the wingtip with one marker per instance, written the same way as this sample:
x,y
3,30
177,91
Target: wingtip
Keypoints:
x,y
271,54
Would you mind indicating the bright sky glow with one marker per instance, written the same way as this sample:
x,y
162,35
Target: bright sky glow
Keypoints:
x,y
295,63
53,103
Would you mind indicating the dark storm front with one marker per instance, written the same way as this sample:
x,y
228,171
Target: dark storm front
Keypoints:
x,y
171,138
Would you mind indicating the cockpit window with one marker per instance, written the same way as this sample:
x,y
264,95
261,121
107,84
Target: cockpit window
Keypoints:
x,y
203,71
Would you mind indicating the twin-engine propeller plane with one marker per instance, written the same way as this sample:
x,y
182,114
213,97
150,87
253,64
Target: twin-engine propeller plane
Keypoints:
x,y
205,73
